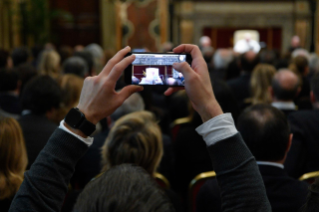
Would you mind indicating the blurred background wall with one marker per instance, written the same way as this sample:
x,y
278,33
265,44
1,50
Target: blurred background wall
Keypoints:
x,y
149,23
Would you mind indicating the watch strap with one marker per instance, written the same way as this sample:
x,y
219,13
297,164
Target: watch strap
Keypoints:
x,y
87,127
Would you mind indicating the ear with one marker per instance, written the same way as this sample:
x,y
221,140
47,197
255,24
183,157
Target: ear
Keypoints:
x,y
312,97
289,142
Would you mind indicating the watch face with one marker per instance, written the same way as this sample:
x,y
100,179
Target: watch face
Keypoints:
x,y
74,118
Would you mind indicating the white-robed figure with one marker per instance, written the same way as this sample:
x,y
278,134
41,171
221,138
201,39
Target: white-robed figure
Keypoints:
x,y
151,77
247,44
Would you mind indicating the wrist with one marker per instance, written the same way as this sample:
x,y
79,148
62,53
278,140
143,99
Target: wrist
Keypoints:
x,y
76,131
88,116
78,122
210,111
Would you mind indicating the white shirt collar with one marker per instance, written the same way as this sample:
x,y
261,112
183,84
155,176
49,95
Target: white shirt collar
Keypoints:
x,y
284,105
279,165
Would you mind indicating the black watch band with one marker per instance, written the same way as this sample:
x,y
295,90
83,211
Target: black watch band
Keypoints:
x,y
87,127
76,119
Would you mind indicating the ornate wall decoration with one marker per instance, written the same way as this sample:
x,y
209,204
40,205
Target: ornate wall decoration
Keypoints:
x,y
142,23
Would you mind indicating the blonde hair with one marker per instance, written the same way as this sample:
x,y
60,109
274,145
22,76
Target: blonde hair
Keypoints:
x,y
135,138
50,63
260,82
71,87
13,157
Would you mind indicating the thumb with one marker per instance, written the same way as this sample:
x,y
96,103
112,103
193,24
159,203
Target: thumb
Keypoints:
x,y
129,90
184,68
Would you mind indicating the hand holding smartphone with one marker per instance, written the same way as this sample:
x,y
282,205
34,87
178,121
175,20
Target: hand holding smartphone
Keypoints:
x,y
155,69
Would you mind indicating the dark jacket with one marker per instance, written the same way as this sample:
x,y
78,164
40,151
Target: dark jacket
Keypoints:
x,y
45,184
284,193
10,104
36,132
303,156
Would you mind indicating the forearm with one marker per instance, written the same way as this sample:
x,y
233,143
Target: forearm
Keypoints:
x,y
242,188
45,184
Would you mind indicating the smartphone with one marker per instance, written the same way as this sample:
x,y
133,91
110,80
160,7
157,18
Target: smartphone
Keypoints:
x,y
155,69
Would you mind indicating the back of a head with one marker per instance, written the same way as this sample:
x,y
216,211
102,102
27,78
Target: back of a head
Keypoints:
x,y
266,132
95,50
260,81
13,157
50,63
76,65
301,63
8,80
88,57
285,85
26,72
20,56
40,95
4,56
315,86
123,188
135,138
132,104
248,61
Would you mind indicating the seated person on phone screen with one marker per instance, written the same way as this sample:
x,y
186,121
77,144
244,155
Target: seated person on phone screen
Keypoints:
x,y
151,77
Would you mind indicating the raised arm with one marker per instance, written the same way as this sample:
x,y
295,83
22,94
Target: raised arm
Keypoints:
x,y
45,184
242,188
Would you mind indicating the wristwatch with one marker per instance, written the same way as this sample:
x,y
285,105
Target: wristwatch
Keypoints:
x,y
76,119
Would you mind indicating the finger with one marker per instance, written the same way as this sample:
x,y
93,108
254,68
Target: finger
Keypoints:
x,y
170,91
116,59
184,68
129,90
190,49
118,69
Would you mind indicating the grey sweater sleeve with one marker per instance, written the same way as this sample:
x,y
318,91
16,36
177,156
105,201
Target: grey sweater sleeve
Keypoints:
x,y
45,184
241,185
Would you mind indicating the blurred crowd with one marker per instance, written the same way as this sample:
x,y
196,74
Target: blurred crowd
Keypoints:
x,y
38,87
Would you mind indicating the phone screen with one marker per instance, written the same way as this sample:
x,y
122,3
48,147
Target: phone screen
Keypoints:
x,y
157,69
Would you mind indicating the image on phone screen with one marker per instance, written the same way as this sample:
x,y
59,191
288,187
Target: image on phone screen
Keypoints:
x,y
157,69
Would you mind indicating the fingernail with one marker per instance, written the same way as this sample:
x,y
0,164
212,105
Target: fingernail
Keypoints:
x,y
127,47
174,65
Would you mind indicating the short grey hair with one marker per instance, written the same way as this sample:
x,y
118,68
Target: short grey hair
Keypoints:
x,y
132,104
76,65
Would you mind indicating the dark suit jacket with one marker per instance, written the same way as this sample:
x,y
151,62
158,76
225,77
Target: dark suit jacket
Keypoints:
x,y
241,88
36,131
284,193
303,155
10,104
